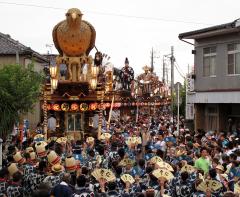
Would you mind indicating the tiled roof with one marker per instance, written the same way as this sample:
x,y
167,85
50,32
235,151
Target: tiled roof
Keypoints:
x,y
9,46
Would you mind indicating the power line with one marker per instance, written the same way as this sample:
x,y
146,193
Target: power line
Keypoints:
x,y
179,72
179,67
31,5
108,14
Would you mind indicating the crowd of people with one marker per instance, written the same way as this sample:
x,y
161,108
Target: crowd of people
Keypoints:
x,y
146,158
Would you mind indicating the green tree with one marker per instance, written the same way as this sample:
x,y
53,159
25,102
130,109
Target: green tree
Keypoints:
x,y
20,88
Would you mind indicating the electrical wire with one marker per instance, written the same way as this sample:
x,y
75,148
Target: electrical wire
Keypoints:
x,y
108,14
178,66
179,72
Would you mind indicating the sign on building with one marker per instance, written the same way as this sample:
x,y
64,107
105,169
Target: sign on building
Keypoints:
x,y
190,83
189,111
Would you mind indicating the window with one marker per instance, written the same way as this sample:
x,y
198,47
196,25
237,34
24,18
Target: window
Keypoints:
x,y
209,61
233,59
74,122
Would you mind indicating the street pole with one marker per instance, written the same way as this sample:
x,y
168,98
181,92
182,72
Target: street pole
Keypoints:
x,y
152,67
186,92
178,108
172,80
163,79
1,153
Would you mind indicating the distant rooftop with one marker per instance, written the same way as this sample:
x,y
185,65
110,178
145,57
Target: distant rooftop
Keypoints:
x,y
212,31
9,46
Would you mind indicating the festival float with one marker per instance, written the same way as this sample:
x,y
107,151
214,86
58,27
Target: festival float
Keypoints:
x,y
81,87
150,92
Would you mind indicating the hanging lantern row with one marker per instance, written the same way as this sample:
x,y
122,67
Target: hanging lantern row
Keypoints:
x,y
95,106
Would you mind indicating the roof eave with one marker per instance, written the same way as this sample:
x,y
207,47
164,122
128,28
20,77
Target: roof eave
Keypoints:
x,y
206,31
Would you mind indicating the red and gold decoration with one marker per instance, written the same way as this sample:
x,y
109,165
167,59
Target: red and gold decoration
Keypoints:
x,y
56,107
74,107
93,106
83,107
65,107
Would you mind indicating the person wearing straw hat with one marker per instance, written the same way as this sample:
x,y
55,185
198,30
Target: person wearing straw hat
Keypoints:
x,y
28,166
3,181
53,158
33,158
12,168
40,149
70,164
18,158
15,187
54,178
37,177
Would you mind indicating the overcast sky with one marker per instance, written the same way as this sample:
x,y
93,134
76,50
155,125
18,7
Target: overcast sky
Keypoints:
x,y
125,28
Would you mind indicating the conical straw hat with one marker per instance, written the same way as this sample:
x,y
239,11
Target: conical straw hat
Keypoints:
x,y
12,168
53,158
70,164
18,158
40,149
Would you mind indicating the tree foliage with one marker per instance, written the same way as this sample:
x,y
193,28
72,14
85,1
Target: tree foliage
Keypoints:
x,y
20,87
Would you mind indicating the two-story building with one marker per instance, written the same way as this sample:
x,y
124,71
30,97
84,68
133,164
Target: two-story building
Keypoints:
x,y
216,94
13,52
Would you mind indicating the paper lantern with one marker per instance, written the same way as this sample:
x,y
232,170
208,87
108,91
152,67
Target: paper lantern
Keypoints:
x,y
56,107
83,106
65,107
93,106
125,104
74,107
133,104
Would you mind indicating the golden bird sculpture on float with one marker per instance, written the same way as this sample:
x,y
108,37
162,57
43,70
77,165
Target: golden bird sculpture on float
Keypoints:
x,y
74,37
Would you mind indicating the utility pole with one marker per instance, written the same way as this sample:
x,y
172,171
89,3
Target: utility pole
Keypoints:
x,y
186,92
178,108
152,66
167,74
163,78
172,79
